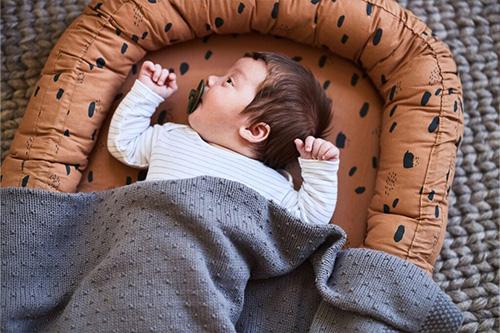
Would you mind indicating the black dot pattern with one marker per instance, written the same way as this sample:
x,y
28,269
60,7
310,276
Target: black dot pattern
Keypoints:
x,y
364,109
100,62
398,235
322,61
369,9
340,20
274,13
25,180
378,36
219,22
241,8
124,48
60,93
433,125
183,68
91,109
354,79
340,142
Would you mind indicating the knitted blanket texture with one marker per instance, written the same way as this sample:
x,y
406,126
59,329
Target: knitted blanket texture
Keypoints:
x,y
203,254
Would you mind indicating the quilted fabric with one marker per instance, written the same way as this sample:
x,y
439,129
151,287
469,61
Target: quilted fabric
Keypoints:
x,y
421,122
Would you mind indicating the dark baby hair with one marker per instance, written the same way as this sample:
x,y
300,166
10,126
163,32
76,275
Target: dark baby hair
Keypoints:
x,y
292,102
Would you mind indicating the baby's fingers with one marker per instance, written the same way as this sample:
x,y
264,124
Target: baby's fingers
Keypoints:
x,y
301,148
317,145
309,143
157,72
332,154
147,69
324,148
300,145
163,77
172,85
172,79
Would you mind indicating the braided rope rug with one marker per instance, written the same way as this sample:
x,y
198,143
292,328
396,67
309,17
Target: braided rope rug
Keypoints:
x,y
468,266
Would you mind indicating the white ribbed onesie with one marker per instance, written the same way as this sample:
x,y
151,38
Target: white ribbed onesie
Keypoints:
x,y
174,151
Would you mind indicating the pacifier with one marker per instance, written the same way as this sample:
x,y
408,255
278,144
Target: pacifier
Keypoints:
x,y
195,97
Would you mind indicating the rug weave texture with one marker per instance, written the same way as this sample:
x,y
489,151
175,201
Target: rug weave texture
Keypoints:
x,y
468,266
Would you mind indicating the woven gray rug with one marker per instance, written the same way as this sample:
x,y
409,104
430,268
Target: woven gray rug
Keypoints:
x,y
468,267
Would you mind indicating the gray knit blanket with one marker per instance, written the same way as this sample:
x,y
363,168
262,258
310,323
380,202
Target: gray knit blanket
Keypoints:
x,y
201,254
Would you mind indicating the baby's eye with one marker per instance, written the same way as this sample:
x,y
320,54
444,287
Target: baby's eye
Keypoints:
x,y
229,79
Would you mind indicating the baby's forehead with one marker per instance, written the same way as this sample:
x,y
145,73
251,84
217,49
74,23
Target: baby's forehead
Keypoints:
x,y
248,61
241,62
247,71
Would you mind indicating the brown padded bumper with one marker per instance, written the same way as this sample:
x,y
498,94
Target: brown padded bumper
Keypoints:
x,y
415,74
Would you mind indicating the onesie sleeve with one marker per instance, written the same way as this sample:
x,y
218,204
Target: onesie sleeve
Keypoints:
x,y
130,136
316,199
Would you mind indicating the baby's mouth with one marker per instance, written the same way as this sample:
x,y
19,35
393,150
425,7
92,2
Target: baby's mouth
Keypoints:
x,y
195,97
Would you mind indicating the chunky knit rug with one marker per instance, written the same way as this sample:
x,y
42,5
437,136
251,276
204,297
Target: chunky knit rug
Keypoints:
x,y
468,267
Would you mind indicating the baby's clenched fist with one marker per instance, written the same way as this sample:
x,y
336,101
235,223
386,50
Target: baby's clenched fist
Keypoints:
x,y
158,79
317,149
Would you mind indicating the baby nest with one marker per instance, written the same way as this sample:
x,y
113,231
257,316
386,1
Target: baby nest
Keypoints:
x,y
397,102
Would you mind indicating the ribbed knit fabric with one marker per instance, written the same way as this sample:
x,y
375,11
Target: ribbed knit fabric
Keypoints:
x,y
202,254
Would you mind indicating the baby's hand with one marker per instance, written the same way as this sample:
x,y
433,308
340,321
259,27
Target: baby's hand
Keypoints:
x,y
157,79
318,149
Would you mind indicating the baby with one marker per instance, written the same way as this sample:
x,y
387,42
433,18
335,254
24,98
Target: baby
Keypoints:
x,y
247,126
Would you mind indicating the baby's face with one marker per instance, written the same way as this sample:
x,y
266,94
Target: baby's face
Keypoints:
x,y
217,118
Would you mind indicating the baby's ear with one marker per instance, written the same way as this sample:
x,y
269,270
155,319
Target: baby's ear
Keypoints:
x,y
256,132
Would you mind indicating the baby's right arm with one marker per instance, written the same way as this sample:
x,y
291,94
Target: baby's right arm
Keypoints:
x,y
130,137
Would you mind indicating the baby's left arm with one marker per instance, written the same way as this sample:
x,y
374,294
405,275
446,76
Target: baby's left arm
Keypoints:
x,y
317,149
316,200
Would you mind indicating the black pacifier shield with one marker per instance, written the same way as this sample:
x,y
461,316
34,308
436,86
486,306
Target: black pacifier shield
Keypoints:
x,y
195,97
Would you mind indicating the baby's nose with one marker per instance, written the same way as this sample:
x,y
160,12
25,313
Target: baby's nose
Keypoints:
x,y
211,80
